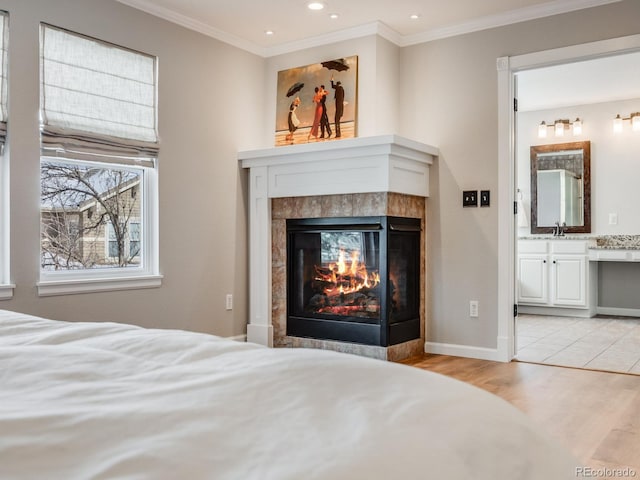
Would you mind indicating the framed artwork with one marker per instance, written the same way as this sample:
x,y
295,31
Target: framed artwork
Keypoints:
x,y
317,102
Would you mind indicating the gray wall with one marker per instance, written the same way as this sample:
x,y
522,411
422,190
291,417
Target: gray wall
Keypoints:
x,y
208,95
449,99
216,99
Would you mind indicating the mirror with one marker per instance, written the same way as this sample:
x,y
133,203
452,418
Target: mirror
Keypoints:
x,y
561,187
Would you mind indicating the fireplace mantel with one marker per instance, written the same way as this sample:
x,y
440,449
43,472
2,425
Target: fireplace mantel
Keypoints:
x,y
386,163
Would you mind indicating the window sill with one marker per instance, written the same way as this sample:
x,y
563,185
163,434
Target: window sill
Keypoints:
x,y
69,287
6,291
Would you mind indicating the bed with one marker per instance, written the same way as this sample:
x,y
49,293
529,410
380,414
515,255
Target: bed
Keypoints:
x,y
114,401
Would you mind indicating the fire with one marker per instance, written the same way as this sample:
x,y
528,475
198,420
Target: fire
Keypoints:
x,y
347,275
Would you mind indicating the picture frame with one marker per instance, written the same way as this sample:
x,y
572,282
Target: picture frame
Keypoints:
x,y
317,102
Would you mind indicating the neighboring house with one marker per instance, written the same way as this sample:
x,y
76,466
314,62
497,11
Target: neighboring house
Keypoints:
x,y
102,231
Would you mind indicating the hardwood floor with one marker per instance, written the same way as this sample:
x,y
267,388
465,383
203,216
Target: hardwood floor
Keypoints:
x,y
596,414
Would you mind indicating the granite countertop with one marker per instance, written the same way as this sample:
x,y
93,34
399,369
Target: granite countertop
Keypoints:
x,y
603,242
565,237
618,242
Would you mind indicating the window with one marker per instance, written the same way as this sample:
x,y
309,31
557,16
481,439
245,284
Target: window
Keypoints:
x,y
6,290
98,165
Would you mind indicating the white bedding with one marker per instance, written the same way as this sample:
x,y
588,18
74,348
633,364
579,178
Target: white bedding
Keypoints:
x,y
107,400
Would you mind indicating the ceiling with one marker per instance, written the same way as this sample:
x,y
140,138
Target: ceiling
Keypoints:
x,y
600,80
243,23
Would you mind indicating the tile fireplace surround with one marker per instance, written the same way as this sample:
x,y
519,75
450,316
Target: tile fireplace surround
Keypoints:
x,y
381,175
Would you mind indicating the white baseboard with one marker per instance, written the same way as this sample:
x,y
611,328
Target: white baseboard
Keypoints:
x,y
623,312
262,334
238,338
467,351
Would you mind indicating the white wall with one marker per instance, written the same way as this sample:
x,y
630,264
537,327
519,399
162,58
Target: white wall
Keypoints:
x,y
210,97
615,161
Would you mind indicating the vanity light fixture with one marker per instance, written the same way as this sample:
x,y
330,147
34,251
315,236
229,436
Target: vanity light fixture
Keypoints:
x,y
633,117
559,126
542,130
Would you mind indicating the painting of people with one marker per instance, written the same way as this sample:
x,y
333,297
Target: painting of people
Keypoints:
x,y
317,102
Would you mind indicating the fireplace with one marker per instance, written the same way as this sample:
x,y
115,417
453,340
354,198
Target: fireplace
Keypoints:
x,y
354,279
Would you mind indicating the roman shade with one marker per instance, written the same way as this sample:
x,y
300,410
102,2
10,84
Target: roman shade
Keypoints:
x,y
3,78
98,100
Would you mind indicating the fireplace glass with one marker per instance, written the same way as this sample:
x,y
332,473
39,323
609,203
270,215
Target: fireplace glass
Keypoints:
x,y
354,279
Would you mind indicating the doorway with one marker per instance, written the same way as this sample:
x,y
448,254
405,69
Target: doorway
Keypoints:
x,y
516,69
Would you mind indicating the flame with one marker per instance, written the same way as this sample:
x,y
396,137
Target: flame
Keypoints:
x,y
347,275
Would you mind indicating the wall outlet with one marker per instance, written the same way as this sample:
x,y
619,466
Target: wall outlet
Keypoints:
x,y
473,308
613,219
229,301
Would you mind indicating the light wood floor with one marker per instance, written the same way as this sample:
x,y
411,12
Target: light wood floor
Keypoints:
x,y
595,414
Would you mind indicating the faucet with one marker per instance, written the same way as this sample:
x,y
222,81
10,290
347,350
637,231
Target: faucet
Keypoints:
x,y
558,230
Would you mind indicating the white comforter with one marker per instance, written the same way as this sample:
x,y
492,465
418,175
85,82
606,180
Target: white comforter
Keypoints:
x,y
106,400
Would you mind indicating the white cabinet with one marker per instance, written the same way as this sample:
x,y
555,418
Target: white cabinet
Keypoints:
x,y
555,274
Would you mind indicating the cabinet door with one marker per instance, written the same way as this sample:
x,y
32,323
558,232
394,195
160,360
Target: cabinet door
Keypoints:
x,y
569,280
532,279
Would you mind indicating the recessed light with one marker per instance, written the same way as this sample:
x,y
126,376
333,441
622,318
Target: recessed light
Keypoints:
x,y
315,6
334,16
268,32
415,16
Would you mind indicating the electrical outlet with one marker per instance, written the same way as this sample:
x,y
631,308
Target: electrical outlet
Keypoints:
x,y
613,219
470,198
229,301
473,308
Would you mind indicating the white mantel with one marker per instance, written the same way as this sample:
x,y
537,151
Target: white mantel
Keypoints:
x,y
386,163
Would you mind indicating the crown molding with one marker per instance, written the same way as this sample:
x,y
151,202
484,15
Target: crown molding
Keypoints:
x,y
548,9
195,25
555,7
373,28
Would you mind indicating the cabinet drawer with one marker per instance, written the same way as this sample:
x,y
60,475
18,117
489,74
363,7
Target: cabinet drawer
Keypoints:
x,y
532,246
569,246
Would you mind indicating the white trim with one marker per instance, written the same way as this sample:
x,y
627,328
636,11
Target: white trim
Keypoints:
x,y
195,25
622,312
238,338
115,278
533,12
93,285
6,291
467,351
507,67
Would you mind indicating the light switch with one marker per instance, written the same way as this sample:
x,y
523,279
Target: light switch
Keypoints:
x,y
613,219
485,198
470,198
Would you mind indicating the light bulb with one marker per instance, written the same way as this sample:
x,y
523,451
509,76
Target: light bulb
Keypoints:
x,y
577,127
617,124
542,130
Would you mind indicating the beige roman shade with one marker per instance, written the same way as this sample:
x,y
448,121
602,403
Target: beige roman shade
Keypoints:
x,y
97,100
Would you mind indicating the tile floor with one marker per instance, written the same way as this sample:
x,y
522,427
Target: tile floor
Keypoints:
x,y
599,343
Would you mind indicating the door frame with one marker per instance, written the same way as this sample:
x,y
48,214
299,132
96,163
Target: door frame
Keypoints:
x,y
507,232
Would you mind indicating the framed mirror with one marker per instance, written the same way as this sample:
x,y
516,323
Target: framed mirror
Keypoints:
x,y
561,187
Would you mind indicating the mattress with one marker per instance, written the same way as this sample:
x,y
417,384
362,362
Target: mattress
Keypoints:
x,y
82,400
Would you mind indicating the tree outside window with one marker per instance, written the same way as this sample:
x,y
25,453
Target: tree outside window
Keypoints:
x,y
90,216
